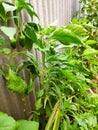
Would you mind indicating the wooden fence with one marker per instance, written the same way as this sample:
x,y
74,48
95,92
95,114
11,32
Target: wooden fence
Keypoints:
x,y
49,11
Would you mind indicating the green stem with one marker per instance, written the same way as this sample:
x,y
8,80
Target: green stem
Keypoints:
x,y
43,60
43,64
50,103
42,76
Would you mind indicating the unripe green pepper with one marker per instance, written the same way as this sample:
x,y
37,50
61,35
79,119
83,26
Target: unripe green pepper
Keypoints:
x,y
22,40
52,51
13,43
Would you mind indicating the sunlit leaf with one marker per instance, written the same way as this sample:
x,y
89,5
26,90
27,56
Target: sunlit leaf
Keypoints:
x,y
38,103
77,29
49,30
88,42
69,75
16,83
66,36
9,31
90,52
6,122
22,4
5,51
8,7
27,125
40,93
30,85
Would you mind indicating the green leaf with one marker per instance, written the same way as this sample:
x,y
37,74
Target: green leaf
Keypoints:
x,y
38,103
86,120
66,36
9,31
30,10
64,125
48,110
73,107
36,26
67,104
77,29
89,25
8,7
16,83
30,86
5,51
27,125
75,21
90,42
28,43
2,40
39,46
69,75
31,37
32,59
6,122
90,52
82,122
94,62
31,64
52,116
25,5
49,30
57,120
30,33
2,13
40,93
92,120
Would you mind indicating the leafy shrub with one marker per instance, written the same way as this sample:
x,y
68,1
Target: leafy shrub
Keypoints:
x,y
68,74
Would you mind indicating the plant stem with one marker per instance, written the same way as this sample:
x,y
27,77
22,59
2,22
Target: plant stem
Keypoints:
x,y
50,103
43,60
43,65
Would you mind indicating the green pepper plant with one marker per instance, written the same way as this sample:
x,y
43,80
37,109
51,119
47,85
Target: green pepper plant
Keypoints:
x,y
13,38
68,72
69,66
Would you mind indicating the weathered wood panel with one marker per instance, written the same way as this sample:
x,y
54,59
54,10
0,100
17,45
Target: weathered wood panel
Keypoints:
x,y
48,11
